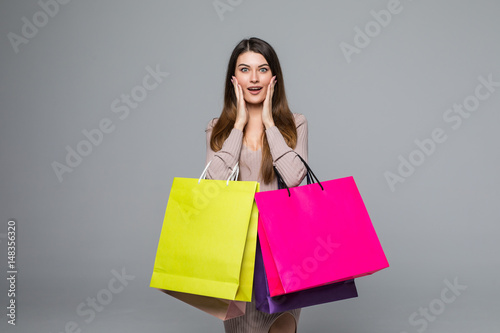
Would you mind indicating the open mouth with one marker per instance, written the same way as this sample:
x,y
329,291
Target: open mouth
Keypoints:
x,y
254,90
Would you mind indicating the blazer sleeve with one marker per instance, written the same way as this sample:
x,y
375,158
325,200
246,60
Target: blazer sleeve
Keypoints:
x,y
225,159
285,158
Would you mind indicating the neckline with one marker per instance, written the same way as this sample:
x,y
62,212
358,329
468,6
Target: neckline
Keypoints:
x,y
249,149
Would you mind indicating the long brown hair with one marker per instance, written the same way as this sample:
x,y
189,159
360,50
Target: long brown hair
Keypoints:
x,y
282,116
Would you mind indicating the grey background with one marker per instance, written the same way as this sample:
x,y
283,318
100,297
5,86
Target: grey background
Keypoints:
x,y
441,224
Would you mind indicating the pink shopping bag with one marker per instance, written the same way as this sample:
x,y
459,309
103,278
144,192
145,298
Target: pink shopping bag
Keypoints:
x,y
316,234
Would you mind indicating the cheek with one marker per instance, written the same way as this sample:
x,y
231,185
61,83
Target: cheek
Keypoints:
x,y
266,79
241,78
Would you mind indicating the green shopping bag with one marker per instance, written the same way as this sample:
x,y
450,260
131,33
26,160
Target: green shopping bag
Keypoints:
x,y
208,241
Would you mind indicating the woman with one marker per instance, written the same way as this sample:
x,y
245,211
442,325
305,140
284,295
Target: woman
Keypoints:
x,y
257,130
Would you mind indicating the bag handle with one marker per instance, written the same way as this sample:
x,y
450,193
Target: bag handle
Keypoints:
x,y
232,177
310,174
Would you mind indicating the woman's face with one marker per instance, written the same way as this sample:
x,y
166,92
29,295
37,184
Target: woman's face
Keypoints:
x,y
253,74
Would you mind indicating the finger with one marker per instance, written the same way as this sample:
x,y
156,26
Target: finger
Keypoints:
x,y
241,99
273,83
238,91
234,80
270,90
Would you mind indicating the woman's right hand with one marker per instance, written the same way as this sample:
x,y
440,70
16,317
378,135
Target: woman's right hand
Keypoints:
x,y
241,108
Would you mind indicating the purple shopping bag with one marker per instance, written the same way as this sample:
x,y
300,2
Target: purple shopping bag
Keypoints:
x,y
318,295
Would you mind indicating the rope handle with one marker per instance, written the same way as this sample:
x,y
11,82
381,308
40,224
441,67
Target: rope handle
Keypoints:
x,y
232,177
310,175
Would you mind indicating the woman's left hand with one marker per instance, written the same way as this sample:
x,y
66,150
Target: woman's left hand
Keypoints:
x,y
267,109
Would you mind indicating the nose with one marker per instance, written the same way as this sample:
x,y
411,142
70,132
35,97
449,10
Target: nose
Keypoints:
x,y
254,78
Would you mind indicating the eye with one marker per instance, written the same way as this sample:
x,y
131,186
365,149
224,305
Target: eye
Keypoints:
x,y
263,70
244,69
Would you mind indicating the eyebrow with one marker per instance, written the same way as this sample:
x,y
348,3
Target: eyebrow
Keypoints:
x,y
249,66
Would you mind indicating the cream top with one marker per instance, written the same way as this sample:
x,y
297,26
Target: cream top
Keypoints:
x,y
285,160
